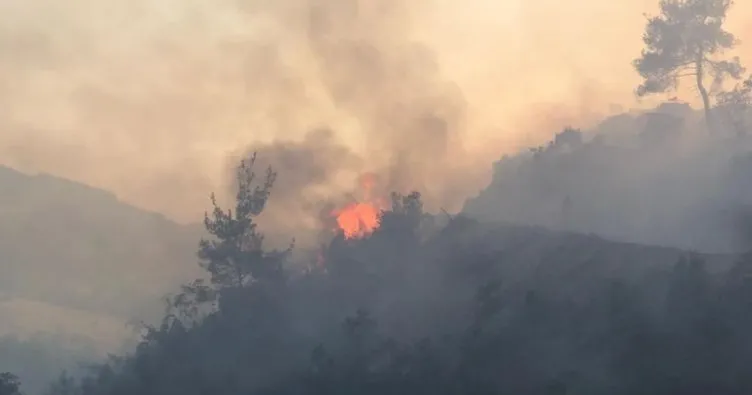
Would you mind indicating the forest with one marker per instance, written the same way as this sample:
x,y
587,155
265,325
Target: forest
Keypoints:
x,y
537,287
431,305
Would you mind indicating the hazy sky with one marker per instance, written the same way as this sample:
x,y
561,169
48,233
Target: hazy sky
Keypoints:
x,y
150,98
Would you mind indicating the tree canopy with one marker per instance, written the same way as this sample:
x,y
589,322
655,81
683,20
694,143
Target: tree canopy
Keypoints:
x,y
687,39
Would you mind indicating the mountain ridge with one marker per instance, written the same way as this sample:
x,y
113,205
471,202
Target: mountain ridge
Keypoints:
x,y
73,245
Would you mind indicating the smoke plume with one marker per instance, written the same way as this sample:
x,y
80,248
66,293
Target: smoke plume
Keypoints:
x,y
155,100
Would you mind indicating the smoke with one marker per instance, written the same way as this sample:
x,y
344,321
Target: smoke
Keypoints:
x,y
307,184
154,100
409,119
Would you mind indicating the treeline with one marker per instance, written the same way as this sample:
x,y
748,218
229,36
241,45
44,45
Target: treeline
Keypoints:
x,y
417,308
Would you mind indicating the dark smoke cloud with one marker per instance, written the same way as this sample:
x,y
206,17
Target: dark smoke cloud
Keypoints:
x,y
409,118
306,185
148,98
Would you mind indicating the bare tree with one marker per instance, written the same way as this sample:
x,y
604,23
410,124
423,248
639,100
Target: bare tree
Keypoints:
x,y
687,39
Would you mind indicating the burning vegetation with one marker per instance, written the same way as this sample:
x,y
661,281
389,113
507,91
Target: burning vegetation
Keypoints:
x,y
359,219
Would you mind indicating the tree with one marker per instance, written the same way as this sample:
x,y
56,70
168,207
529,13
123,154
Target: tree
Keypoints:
x,y
236,257
9,384
570,137
64,385
406,219
686,40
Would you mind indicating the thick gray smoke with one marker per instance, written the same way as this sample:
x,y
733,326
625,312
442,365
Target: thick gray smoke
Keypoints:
x,y
409,120
146,99
308,172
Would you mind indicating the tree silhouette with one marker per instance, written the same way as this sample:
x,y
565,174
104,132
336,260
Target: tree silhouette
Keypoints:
x,y
686,40
64,385
9,384
236,257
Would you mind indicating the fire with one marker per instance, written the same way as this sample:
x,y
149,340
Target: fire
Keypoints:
x,y
360,219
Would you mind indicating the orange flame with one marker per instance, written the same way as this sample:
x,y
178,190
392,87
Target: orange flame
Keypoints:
x,y
357,220
360,219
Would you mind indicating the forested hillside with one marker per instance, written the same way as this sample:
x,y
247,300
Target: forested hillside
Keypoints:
x,y
649,177
442,305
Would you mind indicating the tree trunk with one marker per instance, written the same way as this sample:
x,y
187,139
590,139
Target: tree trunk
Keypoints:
x,y
703,92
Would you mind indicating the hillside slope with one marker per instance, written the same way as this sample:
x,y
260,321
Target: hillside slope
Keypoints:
x,y
568,262
649,178
74,246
